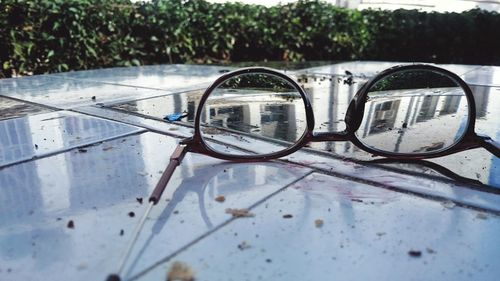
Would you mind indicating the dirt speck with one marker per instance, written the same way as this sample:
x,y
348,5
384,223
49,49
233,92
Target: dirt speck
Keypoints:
x,y
269,260
106,148
239,213
131,214
82,150
71,224
180,272
244,245
448,204
122,232
481,216
82,266
356,200
220,198
414,253
379,234
139,199
430,251
93,98
318,223
287,216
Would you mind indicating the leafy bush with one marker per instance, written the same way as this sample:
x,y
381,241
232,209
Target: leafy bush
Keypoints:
x,y
40,36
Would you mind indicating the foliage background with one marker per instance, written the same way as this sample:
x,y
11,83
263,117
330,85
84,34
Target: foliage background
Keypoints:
x,y
41,36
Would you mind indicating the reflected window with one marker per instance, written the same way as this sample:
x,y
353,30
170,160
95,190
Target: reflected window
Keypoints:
x,y
384,117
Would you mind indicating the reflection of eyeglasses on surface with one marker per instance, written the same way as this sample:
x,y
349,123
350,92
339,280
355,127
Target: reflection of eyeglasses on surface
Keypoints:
x,y
256,114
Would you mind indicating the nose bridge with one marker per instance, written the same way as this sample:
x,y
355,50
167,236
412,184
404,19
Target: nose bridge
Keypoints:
x,y
335,102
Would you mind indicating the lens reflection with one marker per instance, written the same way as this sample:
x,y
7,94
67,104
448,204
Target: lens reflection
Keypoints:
x,y
249,107
414,112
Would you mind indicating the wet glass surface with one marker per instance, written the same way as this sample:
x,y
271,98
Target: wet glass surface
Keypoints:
x,y
63,93
484,75
371,68
283,65
38,135
165,77
97,187
10,108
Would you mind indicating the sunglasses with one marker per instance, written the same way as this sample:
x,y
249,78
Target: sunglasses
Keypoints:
x,y
407,112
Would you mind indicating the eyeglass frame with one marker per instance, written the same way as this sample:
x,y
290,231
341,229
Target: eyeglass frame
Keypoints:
x,y
353,119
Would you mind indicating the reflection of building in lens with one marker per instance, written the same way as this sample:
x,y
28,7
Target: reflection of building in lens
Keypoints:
x,y
279,116
411,121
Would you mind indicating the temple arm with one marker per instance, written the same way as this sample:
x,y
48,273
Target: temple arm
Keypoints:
x,y
175,160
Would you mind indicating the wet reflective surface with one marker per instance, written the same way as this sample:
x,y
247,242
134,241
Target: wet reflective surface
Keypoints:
x,y
38,135
10,108
73,185
350,232
73,89
38,202
163,77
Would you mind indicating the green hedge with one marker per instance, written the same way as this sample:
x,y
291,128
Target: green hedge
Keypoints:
x,y
40,36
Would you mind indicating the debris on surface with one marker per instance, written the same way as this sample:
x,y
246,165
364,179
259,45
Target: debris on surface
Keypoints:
x,y
481,216
448,204
380,234
82,150
93,98
318,223
175,116
287,216
415,253
269,260
82,266
220,198
180,272
122,232
107,148
139,199
244,245
239,213
430,251
356,200
131,214
71,224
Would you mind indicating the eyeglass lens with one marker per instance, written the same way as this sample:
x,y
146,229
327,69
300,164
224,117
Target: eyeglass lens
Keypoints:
x,y
254,105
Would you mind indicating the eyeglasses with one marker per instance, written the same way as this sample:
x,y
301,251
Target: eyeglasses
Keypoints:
x,y
256,114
